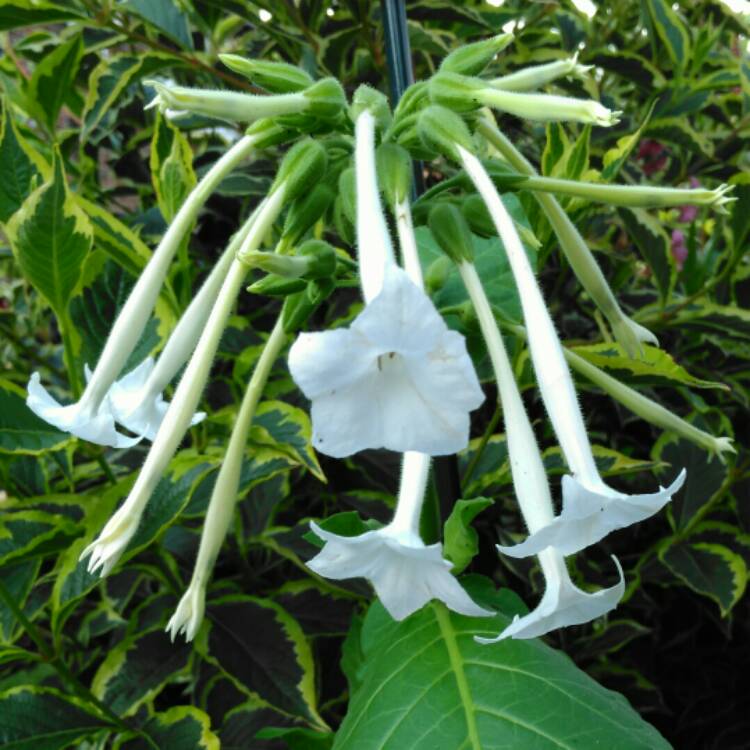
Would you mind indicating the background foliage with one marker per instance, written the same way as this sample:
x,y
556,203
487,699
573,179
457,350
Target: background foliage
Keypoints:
x,y
88,183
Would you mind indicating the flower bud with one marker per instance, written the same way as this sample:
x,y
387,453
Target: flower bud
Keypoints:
x,y
472,59
321,259
442,130
411,100
476,214
276,286
267,133
303,213
394,172
437,274
452,233
298,307
276,77
366,97
316,260
344,226
326,99
300,168
457,92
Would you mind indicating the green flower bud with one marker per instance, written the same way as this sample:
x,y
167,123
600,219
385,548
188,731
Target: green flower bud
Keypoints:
x,y
276,77
452,233
411,100
472,59
304,212
478,217
277,286
268,133
437,274
316,260
366,97
394,172
348,194
321,258
300,168
344,227
298,307
326,98
442,130
457,92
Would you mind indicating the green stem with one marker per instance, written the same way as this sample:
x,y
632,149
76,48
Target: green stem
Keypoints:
x,y
482,446
66,327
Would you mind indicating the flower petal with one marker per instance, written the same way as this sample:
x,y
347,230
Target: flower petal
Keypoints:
x,y
562,605
589,515
404,577
75,419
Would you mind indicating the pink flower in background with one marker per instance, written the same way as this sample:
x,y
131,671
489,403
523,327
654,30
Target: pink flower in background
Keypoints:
x,y
652,155
679,247
688,214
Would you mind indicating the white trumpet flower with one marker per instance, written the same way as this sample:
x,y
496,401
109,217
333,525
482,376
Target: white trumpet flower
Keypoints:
x,y
591,509
563,602
107,548
91,417
405,573
396,378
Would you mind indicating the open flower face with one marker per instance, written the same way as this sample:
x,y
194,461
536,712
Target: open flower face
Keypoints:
x,y
97,425
404,572
563,603
397,378
589,514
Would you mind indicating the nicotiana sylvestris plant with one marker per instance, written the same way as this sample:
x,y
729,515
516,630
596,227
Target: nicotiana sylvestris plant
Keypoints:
x,y
396,377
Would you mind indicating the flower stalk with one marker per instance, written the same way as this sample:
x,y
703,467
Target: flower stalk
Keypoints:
x,y
189,613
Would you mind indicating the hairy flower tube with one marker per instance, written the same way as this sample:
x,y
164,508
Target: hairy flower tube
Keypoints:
x,y
189,613
396,378
105,551
535,76
91,417
405,573
628,333
136,399
591,509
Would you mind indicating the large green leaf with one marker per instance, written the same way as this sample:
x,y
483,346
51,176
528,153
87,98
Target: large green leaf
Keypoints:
x,y
171,164
18,579
138,668
22,431
18,169
16,13
671,30
426,683
51,238
262,647
36,718
181,728
26,534
166,16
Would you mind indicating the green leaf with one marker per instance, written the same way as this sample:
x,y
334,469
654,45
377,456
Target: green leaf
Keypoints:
x,y
677,130
26,534
654,244
166,16
627,64
554,150
171,167
138,668
22,431
426,683
728,320
299,739
97,306
52,80
181,728
672,31
37,718
656,367
740,221
18,168
51,238
287,429
461,540
18,579
17,13
264,650
615,157
710,569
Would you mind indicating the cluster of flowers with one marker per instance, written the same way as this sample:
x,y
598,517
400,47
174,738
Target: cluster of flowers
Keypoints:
x,y
396,377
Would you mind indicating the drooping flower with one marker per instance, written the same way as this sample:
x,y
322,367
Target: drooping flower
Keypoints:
x,y
591,509
91,417
396,378
405,573
188,616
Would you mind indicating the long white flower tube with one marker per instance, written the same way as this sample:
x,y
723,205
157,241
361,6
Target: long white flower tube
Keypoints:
x,y
90,417
114,538
627,332
563,602
536,76
189,613
591,509
405,573
397,377
136,399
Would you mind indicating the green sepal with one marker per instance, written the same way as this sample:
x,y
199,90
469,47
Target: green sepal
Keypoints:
x,y
274,285
442,130
301,168
327,99
472,59
457,92
348,194
366,97
269,133
298,307
304,212
275,77
394,172
452,233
